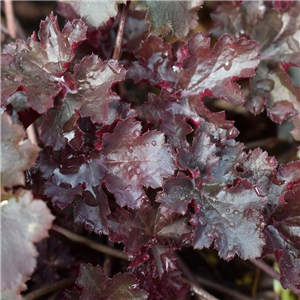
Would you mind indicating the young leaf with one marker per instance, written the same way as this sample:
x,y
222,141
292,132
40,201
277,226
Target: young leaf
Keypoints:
x,y
155,63
17,154
215,71
89,93
24,221
200,158
36,67
179,17
94,284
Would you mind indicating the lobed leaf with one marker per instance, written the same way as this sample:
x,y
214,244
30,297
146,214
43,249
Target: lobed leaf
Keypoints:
x,y
133,160
231,218
95,13
94,284
17,153
29,220
36,67
215,71
178,17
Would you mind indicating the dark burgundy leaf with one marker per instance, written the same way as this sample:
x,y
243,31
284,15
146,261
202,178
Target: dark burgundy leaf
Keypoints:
x,y
61,196
199,159
17,154
272,87
156,63
279,42
36,67
167,113
282,5
133,160
153,229
216,70
93,211
231,218
178,17
94,284
177,193
169,286
89,93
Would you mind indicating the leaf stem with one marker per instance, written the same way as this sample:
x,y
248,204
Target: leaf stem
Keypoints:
x,y
10,22
266,268
91,244
120,33
222,289
49,288
193,282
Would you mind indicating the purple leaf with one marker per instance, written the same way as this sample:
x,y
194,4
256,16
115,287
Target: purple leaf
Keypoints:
x,y
149,228
93,211
231,218
217,70
199,159
155,63
283,237
94,284
133,160
36,67
177,193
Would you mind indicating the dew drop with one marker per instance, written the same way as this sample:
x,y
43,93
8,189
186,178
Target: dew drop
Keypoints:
x,y
228,210
165,54
213,227
261,235
209,235
232,133
147,145
259,191
271,161
175,69
232,224
163,195
130,150
114,68
153,143
227,65
235,212
128,187
135,158
136,133
261,7
242,31
137,171
229,255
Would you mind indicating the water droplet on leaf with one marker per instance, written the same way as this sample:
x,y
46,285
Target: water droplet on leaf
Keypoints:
x,y
153,143
136,132
130,150
227,65
235,212
232,224
259,191
163,195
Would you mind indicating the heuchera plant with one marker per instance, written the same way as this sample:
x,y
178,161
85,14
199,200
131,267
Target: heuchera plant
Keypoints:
x,y
129,150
